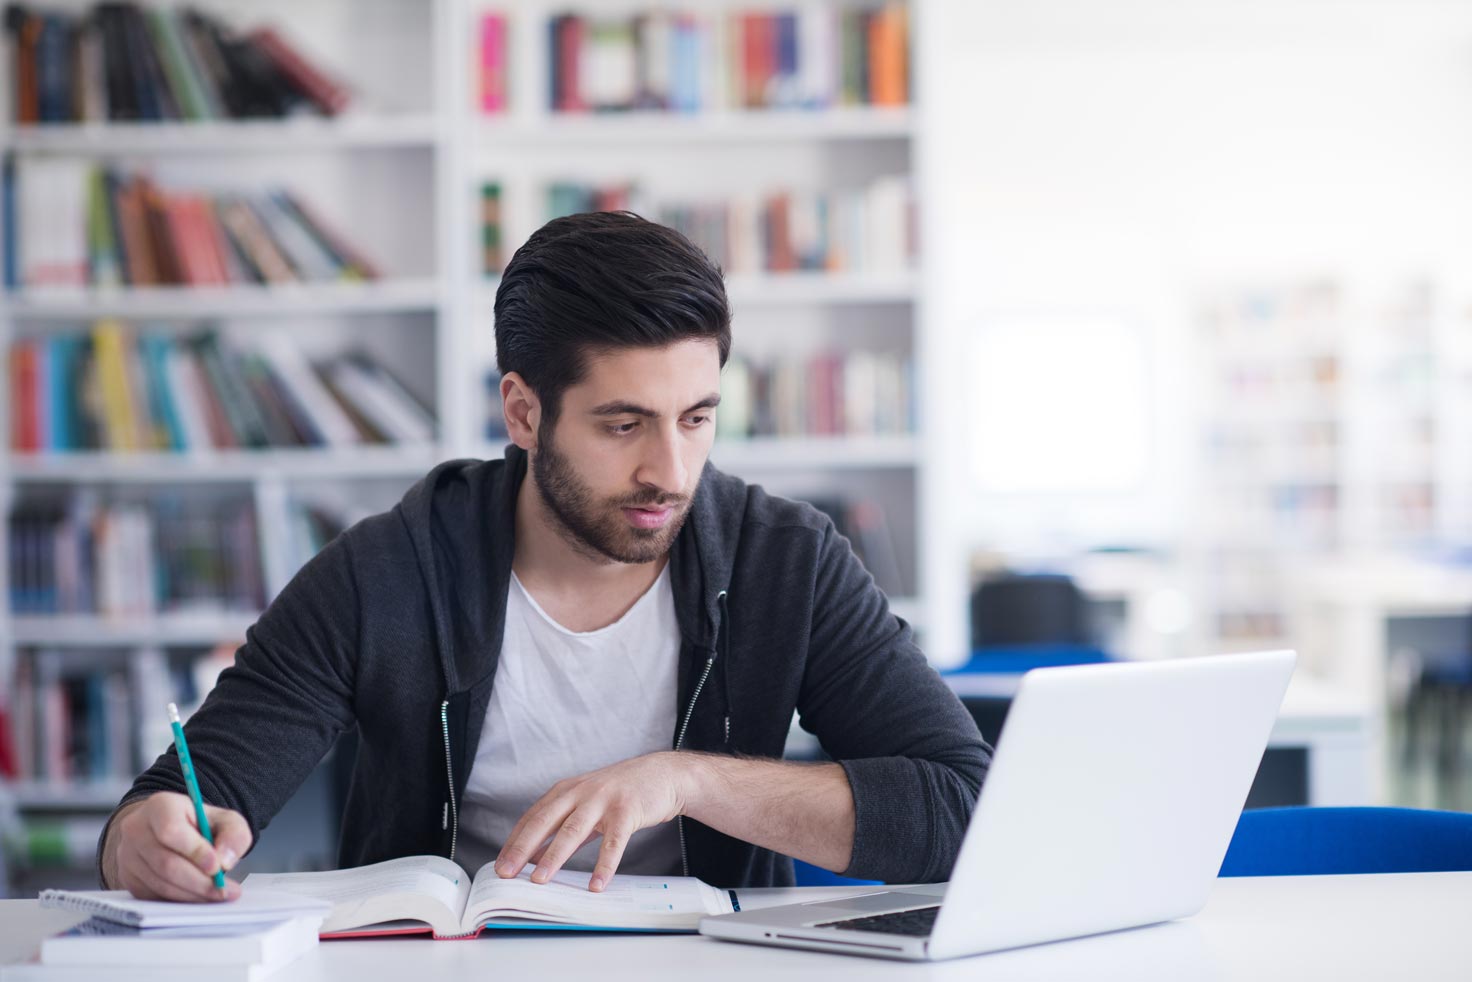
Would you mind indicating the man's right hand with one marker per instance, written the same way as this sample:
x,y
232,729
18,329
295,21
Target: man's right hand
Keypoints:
x,y
155,851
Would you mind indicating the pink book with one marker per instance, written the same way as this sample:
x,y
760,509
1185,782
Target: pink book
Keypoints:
x,y
493,63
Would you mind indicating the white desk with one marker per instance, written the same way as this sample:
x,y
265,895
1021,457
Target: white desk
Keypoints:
x,y
1340,928
1335,728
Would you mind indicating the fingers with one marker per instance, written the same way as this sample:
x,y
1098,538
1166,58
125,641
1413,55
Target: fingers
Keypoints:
x,y
616,834
170,876
172,830
232,835
576,829
162,854
532,830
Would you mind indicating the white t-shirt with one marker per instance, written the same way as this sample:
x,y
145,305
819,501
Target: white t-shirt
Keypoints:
x,y
565,703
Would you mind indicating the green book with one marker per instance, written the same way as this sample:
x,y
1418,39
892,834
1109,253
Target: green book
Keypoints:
x,y
188,90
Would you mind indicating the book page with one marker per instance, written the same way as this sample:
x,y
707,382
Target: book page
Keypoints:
x,y
424,888
668,902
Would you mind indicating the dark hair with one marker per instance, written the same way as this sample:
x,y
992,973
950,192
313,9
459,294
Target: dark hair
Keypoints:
x,y
601,281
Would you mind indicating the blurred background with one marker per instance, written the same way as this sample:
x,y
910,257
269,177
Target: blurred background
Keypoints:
x,y
1104,331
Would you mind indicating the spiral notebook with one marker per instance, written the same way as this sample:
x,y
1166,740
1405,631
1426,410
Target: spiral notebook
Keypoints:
x,y
254,906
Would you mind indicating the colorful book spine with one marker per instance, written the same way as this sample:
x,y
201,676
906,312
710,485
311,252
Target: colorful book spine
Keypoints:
x,y
493,64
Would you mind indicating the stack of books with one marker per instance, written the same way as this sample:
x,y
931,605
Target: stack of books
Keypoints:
x,y
121,391
168,555
865,229
808,57
76,224
75,723
121,62
855,393
243,941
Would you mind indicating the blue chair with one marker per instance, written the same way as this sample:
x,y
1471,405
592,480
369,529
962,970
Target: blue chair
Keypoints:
x,y
1308,841
809,875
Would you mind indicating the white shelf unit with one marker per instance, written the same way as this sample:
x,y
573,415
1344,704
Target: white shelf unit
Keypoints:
x,y
380,173
400,176
707,156
1335,430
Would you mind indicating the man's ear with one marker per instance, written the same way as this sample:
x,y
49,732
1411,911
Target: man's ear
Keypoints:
x,y
523,410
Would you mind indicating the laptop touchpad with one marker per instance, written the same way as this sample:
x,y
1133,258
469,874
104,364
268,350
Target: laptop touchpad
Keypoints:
x,y
873,901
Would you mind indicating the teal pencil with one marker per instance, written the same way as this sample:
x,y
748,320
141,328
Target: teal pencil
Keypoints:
x,y
192,783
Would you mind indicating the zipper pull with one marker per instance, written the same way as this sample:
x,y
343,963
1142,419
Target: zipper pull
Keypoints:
x,y
728,729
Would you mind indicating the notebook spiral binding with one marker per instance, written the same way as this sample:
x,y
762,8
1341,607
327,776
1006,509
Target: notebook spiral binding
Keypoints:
x,y
67,900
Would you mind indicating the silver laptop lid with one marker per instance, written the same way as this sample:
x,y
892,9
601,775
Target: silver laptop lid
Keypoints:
x,y
1112,799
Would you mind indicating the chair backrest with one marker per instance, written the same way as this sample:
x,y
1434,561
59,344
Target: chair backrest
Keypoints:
x,y
1014,609
1308,841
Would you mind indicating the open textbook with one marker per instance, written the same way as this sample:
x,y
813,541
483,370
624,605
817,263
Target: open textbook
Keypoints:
x,y
419,894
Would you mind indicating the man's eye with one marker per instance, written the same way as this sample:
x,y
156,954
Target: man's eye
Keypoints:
x,y
697,420
619,429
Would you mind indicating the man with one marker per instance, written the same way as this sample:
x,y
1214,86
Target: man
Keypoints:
x,y
587,654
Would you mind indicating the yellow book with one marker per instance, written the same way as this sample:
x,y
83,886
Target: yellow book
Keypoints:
x,y
120,410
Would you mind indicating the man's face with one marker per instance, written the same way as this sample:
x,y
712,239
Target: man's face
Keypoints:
x,y
619,468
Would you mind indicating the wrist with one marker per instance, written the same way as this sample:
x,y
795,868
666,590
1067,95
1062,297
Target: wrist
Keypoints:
x,y
693,778
108,860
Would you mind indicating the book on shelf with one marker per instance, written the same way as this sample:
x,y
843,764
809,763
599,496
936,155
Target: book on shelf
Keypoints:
x,y
124,62
79,224
54,839
492,257
75,723
80,556
805,57
492,63
853,393
866,229
432,895
120,390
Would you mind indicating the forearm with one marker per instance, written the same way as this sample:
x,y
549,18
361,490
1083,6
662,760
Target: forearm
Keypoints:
x,y
801,810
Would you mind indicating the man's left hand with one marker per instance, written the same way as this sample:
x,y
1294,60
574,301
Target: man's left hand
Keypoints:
x,y
614,802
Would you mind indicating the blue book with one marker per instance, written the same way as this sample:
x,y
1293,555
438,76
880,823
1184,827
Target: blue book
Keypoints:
x,y
58,388
161,401
784,27
7,215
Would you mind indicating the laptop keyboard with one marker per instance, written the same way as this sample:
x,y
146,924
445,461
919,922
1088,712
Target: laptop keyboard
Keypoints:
x,y
918,922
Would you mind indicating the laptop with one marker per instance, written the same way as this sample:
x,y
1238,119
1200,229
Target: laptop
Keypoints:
x,y
1110,803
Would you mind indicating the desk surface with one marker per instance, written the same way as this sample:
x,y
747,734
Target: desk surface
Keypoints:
x,y
1389,926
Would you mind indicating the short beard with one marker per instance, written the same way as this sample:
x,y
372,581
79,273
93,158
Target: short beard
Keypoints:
x,y
599,531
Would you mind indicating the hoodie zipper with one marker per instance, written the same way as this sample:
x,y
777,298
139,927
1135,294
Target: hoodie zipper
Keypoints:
x,y
450,807
685,725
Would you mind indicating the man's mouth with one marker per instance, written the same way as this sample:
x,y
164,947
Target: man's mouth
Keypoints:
x,y
649,516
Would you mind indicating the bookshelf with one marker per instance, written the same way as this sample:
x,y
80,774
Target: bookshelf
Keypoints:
x,y
400,174
719,159
1334,431
379,173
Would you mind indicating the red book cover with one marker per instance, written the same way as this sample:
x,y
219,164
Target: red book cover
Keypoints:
x,y
205,237
329,95
569,53
192,261
26,421
780,255
160,236
493,63
887,56
758,58
133,226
